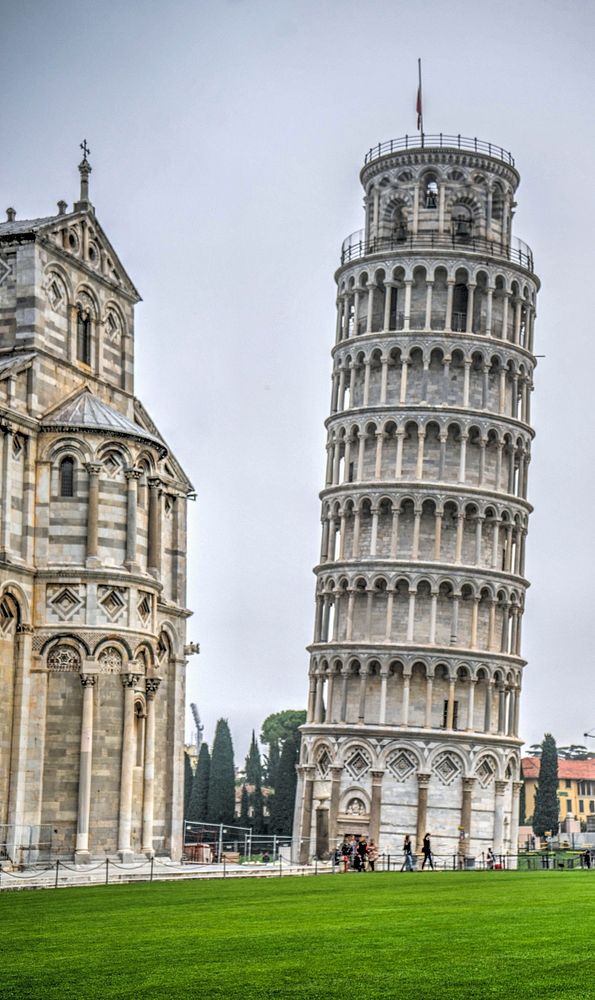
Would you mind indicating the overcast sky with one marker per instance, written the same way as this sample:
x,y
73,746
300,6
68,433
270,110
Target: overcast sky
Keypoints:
x,y
226,141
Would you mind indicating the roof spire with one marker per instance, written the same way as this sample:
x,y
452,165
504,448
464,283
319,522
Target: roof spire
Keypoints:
x,y
84,170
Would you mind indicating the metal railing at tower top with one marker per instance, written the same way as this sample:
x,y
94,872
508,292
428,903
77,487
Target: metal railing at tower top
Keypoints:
x,y
356,246
438,141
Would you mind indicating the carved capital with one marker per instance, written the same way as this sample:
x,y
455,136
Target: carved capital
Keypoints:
x,y
468,784
88,680
130,680
423,779
93,468
336,772
152,686
24,629
501,787
377,777
154,482
191,648
132,473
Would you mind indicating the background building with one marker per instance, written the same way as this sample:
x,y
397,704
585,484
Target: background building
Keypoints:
x,y
576,789
415,671
92,557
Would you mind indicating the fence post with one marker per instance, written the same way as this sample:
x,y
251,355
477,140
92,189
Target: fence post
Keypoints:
x,y
274,845
57,870
224,867
107,871
280,864
316,865
152,863
220,849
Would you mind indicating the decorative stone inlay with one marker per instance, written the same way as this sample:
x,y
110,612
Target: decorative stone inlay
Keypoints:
x,y
5,270
112,601
358,763
485,772
447,767
110,660
18,443
7,616
112,329
356,807
323,763
401,764
144,606
113,464
64,658
64,601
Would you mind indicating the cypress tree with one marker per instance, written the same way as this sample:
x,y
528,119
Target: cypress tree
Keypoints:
x,y
254,778
244,807
272,765
221,797
284,793
197,810
188,779
546,815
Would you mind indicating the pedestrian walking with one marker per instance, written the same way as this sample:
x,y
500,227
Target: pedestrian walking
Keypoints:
x,y
407,854
427,852
362,850
372,855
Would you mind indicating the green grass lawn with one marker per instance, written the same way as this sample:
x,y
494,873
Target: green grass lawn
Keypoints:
x,y
402,936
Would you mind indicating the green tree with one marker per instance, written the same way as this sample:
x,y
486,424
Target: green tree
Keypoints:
x,y
221,796
197,810
546,813
280,726
245,807
188,779
254,778
283,800
271,765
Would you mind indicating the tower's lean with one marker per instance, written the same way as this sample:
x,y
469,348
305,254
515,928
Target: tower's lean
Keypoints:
x,y
416,667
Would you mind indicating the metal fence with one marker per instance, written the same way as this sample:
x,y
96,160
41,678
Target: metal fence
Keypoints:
x,y
439,140
208,843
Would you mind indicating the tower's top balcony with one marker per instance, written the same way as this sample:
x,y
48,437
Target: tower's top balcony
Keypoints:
x,y
460,239
438,141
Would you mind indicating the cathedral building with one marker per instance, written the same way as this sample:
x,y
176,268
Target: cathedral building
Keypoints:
x,y
92,558
416,664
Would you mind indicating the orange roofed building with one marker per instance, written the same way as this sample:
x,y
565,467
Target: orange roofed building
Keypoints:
x,y
576,788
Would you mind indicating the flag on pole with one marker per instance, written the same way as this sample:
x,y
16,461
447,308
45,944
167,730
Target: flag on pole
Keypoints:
x,y
418,103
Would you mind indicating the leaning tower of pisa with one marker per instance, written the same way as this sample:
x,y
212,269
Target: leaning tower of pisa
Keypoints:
x,y
416,665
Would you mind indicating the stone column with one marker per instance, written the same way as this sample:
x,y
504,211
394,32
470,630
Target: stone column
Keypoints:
x,y
471,703
375,805
514,820
6,491
363,680
18,800
154,545
132,478
336,772
311,697
85,770
319,703
151,688
93,514
305,848
423,781
466,812
450,707
406,688
345,679
129,682
383,693
429,690
499,817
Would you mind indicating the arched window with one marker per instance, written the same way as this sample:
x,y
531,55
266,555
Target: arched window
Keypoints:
x,y
83,336
462,223
431,193
459,307
67,477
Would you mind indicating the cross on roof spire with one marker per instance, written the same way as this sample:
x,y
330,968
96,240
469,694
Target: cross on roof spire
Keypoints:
x,y
86,150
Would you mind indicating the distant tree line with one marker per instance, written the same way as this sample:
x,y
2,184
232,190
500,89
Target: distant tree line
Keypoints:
x,y
268,782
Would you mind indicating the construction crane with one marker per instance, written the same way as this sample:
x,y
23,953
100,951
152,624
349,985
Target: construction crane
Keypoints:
x,y
198,724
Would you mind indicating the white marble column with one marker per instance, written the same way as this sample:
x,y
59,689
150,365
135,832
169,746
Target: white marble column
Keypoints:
x,y
151,688
129,682
85,770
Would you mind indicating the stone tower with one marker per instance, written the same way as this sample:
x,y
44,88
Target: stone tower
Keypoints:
x,y
92,558
416,664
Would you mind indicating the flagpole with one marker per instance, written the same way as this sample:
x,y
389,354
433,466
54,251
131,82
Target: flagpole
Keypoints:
x,y
420,102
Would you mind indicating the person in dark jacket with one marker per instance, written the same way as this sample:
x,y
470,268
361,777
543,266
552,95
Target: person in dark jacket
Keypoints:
x,y
427,852
408,854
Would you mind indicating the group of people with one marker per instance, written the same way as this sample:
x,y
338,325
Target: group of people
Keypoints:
x,y
360,855
357,854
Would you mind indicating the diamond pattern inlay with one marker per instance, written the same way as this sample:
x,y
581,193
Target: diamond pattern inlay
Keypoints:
x,y
358,763
447,767
401,764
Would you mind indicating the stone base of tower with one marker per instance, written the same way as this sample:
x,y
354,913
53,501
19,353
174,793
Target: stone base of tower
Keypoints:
x,y
384,785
